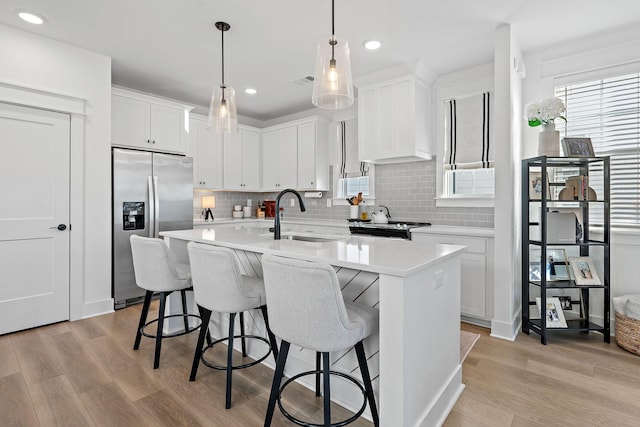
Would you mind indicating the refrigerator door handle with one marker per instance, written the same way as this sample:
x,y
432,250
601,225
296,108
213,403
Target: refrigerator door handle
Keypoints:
x,y
156,208
152,210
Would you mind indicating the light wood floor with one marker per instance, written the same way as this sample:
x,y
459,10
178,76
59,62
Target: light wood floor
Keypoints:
x,y
85,373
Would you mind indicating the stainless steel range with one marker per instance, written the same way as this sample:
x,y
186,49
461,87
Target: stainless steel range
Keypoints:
x,y
397,229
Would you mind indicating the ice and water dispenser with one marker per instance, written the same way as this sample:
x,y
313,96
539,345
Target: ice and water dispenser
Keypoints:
x,y
133,215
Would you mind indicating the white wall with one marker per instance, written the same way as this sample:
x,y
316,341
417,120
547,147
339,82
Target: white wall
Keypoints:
x,y
594,54
28,60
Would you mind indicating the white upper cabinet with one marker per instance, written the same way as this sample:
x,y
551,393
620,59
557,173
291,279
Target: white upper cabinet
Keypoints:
x,y
142,121
313,156
394,118
295,155
280,159
241,154
205,146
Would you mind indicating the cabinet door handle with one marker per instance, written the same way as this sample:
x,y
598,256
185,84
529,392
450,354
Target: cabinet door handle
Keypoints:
x,y
148,141
153,142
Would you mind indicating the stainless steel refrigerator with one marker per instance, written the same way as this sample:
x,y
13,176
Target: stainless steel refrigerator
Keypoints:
x,y
152,192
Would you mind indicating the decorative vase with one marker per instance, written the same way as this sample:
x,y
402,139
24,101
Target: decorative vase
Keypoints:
x,y
549,141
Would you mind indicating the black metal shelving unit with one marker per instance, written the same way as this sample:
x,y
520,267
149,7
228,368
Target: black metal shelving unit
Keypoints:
x,y
549,168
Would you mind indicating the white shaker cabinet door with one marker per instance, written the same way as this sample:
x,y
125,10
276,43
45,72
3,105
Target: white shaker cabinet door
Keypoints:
x,y
130,122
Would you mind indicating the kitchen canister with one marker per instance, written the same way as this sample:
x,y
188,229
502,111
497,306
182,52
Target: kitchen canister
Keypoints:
x,y
354,211
246,211
237,208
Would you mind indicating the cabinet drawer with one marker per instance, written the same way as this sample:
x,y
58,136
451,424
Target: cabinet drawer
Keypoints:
x,y
474,245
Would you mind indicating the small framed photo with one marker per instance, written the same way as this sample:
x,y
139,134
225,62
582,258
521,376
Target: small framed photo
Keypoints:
x,y
565,302
535,186
584,271
553,312
556,266
577,147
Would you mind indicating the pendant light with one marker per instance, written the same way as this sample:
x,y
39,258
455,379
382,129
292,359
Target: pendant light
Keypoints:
x,y
332,85
223,115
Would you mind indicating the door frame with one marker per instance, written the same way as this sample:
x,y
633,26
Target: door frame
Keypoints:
x,y
75,107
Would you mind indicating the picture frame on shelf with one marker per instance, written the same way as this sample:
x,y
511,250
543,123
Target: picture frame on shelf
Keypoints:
x,y
565,302
577,147
535,186
584,271
553,313
556,266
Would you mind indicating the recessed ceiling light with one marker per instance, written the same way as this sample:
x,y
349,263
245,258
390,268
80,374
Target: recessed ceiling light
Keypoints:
x,y
372,44
250,91
31,17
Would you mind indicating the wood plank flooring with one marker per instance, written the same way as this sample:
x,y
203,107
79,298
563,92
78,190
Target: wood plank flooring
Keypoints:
x,y
85,373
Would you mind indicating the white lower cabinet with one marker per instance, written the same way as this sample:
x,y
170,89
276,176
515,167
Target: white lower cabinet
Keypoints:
x,y
476,274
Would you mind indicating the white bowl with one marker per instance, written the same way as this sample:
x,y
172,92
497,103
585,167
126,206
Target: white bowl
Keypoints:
x,y
237,208
237,214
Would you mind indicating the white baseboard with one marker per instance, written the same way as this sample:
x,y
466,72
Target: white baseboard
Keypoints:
x,y
506,330
437,413
97,308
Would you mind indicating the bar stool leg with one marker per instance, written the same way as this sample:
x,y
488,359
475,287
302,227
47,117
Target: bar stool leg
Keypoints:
x,y
183,294
277,379
327,389
163,300
244,344
318,374
205,315
272,338
366,378
143,318
232,317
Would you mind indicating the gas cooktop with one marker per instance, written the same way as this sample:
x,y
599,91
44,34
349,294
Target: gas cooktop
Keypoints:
x,y
398,229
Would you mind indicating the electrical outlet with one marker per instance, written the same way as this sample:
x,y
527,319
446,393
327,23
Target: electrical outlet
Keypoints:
x,y
328,203
292,202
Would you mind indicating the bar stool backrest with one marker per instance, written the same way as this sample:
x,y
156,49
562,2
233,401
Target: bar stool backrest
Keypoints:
x,y
305,305
217,281
153,267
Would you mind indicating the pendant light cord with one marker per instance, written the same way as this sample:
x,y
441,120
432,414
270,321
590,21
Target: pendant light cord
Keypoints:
x,y
333,30
222,32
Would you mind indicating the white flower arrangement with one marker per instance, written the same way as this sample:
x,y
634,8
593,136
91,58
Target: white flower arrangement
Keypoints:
x,y
544,112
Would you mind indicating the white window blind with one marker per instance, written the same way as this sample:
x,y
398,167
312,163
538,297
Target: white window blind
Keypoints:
x,y
608,112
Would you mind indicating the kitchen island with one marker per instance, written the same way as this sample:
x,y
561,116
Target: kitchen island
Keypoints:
x,y
414,359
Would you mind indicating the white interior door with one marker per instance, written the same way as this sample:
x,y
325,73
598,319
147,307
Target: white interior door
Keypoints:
x,y
34,217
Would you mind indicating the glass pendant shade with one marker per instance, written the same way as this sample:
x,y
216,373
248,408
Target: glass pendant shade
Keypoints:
x,y
223,115
333,85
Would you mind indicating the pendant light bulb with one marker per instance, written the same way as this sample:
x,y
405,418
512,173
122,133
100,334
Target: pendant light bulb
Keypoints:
x,y
223,115
332,85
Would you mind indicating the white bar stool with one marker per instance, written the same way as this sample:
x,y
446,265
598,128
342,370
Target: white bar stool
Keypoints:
x,y
156,272
219,286
306,308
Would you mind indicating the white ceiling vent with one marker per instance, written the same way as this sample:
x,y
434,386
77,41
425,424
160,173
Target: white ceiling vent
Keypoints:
x,y
304,80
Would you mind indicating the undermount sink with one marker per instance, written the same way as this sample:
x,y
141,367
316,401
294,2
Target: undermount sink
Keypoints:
x,y
307,237
310,238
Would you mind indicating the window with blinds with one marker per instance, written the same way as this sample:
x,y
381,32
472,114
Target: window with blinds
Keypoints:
x,y
608,112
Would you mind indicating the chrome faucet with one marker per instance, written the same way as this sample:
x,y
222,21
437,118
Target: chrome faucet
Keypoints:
x,y
276,224
388,213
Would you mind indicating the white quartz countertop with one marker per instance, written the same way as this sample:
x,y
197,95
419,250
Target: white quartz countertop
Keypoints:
x,y
380,255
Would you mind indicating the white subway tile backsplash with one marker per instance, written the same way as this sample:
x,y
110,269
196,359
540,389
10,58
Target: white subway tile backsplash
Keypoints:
x,y
408,189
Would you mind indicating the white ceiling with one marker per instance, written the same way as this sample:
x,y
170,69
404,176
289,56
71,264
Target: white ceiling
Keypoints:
x,y
170,47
